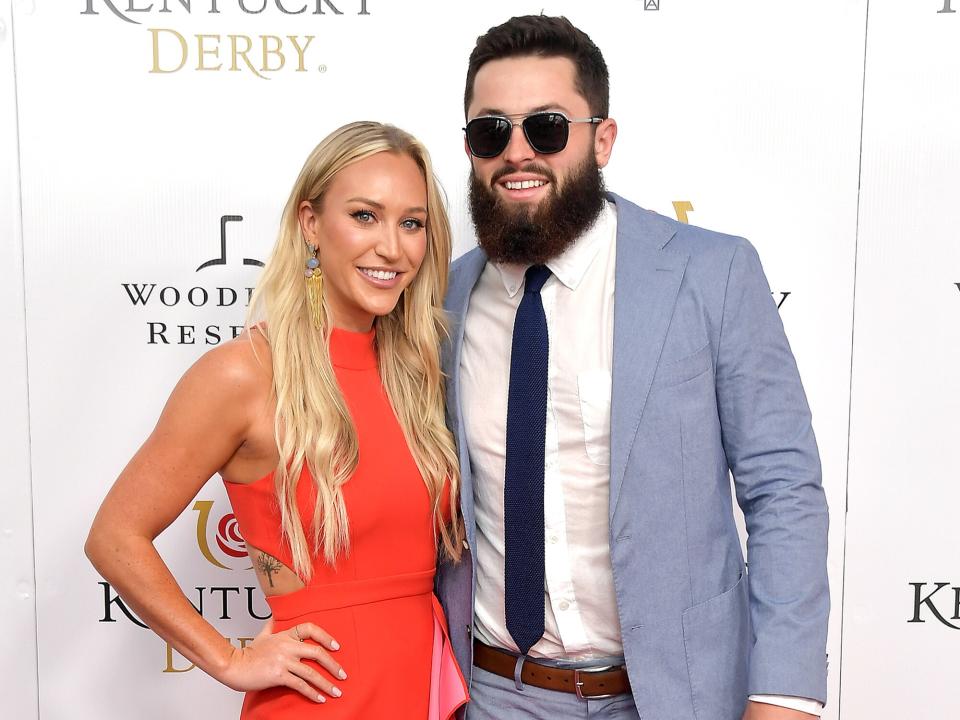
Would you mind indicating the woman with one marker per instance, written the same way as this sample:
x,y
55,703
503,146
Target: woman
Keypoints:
x,y
325,420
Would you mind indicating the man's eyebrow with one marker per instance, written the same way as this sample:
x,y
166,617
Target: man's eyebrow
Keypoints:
x,y
551,106
489,111
539,108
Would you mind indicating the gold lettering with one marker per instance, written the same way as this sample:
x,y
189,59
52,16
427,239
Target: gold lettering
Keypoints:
x,y
170,666
237,52
267,52
156,50
204,51
300,50
681,208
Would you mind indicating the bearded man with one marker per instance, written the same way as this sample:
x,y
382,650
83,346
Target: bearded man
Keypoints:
x,y
608,370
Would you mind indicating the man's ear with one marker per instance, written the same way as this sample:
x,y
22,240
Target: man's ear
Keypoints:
x,y
603,141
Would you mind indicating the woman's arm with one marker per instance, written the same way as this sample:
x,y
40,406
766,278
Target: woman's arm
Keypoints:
x,y
206,420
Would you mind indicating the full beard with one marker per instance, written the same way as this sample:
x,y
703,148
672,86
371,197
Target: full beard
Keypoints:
x,y
532,236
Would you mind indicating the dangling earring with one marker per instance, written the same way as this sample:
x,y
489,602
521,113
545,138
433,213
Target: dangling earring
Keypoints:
x,y
407,312
314,286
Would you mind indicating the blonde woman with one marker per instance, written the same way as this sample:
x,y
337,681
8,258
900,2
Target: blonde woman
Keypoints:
x,y
325,420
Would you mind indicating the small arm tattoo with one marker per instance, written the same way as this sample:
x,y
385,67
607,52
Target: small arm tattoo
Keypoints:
x,y
268,565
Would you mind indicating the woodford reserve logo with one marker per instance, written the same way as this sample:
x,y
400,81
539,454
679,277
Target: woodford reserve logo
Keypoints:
x,y
160,299
260,55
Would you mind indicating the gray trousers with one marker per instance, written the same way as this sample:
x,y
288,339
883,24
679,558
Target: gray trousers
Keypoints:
x,y
495,698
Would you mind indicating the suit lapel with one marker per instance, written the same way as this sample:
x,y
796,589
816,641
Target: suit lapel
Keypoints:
x,y
647,282
463,278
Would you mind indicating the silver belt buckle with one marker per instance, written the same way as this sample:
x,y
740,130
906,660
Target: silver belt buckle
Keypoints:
x,y
577,683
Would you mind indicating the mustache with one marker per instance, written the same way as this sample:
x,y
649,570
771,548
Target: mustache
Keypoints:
x,y
532,168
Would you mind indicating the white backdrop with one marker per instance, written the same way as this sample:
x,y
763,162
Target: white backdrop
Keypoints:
x,y
18,658
133,174
902,535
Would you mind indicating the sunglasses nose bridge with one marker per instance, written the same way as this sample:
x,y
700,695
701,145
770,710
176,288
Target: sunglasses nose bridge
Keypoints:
x,y
518,150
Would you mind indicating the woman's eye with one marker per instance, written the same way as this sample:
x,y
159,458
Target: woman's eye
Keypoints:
x,y
412,224
364,216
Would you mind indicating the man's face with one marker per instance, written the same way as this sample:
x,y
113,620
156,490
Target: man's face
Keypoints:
x,y
529,206
521,85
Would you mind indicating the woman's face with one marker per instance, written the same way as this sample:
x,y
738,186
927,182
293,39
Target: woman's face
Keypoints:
x,y
370,235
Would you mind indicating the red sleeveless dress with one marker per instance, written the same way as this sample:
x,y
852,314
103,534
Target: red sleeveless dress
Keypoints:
x,y
378,601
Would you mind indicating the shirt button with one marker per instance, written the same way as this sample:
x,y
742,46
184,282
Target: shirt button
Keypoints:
x,y
554,539
466,545
564,605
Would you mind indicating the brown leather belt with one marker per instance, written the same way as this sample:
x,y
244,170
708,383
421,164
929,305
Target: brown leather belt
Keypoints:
x,y
586,683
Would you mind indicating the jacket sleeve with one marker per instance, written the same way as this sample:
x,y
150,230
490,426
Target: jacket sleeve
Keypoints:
x,y
771,450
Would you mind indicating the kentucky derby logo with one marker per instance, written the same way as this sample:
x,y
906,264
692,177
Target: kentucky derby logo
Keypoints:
x,y
930,604
215,50
225,533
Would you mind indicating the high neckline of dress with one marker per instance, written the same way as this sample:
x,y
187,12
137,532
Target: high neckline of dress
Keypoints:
x,y
353,350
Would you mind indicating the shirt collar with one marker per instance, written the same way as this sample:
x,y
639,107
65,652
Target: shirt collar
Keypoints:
x,y
570,266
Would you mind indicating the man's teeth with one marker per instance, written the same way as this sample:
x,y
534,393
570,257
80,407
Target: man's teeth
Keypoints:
x,y
523,184
379,274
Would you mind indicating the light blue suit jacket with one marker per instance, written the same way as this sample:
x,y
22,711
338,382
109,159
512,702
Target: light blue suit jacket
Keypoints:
x,y
704,383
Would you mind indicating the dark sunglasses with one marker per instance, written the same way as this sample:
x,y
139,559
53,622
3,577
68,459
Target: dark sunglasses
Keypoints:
x,y
547,132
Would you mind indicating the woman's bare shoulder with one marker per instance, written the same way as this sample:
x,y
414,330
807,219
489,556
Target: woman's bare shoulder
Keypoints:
x,y
242,365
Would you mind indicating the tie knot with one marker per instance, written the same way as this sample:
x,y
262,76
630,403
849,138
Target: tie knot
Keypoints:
x,y
535,277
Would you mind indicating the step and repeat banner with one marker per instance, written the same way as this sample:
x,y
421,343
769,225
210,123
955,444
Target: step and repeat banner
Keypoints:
x,y
18,658
156,142
901,614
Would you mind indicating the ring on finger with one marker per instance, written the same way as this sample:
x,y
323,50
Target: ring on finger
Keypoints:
x,y
296,629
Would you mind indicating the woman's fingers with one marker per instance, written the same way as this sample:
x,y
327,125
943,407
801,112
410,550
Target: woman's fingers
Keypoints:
x,y
317,634
304,688
323,658
314,679
318,652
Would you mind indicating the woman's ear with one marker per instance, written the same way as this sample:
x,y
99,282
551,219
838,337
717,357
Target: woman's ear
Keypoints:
x,y
309,222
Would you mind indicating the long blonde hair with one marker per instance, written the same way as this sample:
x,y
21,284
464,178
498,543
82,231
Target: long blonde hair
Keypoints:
x,y
312,424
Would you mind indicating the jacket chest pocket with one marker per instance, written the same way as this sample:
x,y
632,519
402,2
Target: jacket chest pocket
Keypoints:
x,y
677,372
594,388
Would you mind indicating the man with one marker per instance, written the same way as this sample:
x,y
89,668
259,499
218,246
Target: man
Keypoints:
x,y
608,367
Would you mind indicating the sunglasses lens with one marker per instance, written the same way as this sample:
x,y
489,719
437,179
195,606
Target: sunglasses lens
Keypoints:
x,y
488,136
546,132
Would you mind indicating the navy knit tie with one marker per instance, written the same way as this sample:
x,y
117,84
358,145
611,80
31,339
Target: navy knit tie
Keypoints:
x,y
523,480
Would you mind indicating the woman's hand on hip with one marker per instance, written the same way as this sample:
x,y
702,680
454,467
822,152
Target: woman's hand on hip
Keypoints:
x,y
276,659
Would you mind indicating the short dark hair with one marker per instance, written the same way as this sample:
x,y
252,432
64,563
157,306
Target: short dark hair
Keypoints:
x,y
547,37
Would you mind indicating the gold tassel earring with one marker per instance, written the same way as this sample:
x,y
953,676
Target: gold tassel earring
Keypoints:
x,y
407,312
314,287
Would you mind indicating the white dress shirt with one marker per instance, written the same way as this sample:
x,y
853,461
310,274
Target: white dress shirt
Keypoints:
x,y
580,618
